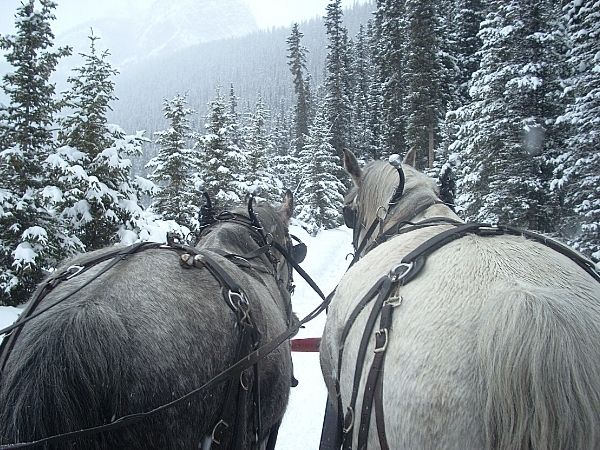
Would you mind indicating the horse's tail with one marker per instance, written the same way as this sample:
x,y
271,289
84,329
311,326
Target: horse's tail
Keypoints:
x,y
63,375
540,369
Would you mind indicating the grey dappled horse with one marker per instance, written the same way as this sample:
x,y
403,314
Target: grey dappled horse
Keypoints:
x,y
495,344
145,333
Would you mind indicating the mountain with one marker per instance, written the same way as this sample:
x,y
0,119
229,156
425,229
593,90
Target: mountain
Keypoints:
x,y
254,64
162,27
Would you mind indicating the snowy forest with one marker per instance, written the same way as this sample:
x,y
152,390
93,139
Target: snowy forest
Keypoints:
x,y
500,99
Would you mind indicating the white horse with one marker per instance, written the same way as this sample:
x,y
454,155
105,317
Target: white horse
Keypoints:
x,y
496,344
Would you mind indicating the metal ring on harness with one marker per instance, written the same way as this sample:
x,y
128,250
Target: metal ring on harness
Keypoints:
x,y
214,431
395,276
381,347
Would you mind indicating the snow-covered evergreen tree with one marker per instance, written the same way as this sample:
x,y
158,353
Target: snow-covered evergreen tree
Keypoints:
x,y
579,165
297,62
363,79
222,161
501,142
338,83
176,167
320,199
422,72
31,237
260,175
93,188
389,40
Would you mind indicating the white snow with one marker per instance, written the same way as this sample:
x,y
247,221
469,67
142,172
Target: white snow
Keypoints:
x,y
325,262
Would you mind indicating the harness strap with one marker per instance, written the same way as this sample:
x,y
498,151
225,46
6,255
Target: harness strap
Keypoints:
x,y
384,286
32,311
379,414
413,262
374,379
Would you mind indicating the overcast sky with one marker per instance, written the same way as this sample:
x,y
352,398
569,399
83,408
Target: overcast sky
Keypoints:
x,y
69,13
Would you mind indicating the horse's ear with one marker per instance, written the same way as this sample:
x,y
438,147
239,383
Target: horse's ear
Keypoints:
x,y
352,167
287,206
410,159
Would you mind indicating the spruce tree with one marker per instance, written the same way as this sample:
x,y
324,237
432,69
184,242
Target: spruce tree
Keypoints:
x,y
362,70
500,140
320,199
579,168
337,84
175,168
297,62
100,201
221,160
31,237
389,48
260,175
422,70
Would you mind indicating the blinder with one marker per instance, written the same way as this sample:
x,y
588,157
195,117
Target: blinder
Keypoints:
x,y
298,251
349,216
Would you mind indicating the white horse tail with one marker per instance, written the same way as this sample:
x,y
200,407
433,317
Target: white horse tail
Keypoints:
x,y
539,353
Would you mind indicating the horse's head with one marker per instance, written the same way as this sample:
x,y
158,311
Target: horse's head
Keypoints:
x,y
266,227
272,224
385,193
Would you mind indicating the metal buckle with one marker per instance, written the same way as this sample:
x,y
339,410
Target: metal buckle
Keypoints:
x,y
245,384
395,276
73,271
241,299
381,348
394,301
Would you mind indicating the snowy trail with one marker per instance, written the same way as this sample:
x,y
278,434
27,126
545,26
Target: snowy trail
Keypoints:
x,y
325,262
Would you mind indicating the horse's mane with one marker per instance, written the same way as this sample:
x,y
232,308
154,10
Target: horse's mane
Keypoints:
x,y
378,184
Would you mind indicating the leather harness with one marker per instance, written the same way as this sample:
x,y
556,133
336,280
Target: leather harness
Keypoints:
x,y
240,392
384,306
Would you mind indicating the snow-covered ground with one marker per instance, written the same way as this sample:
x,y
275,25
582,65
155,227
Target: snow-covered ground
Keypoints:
x,y
325,262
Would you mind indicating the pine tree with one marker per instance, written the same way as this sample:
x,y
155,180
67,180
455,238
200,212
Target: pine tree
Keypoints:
x,y
222,161
99,201
579,170
31,237
500,140
337,84
260,176
389,48
465,42
320,199
363,135
175,168
297,62
422,70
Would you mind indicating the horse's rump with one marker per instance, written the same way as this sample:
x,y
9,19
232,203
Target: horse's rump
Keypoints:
x,y
495,343
143,334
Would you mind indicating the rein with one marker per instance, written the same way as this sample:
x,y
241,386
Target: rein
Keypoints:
x,y
247,357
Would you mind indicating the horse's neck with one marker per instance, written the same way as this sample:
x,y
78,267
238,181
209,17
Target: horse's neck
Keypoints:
x,y
434,211
432,208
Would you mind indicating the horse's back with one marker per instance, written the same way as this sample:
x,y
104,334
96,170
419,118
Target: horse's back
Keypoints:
x,y
142,334
485,332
